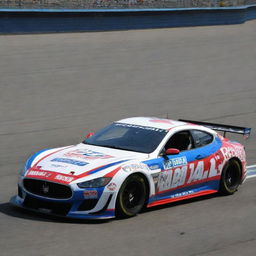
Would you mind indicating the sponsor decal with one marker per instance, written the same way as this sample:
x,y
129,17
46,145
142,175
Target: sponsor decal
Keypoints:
x,y
90,194
174,162
39,173
154,167
189,174
133,167
141,127
233,151
87,154
51,176
155,178
111,186
59,166
69,161
185,193
66,179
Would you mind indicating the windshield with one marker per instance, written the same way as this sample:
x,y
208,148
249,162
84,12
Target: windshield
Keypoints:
x,y
128,137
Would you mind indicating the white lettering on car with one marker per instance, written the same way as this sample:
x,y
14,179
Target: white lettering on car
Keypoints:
x,y
189,173
179,177
134,167
233,151
39,173
64,178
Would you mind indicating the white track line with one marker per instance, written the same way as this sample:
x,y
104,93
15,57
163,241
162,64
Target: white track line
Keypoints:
x,y
253,167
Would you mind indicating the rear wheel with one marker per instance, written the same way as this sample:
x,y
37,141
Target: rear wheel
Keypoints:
x,y
230,178
131,197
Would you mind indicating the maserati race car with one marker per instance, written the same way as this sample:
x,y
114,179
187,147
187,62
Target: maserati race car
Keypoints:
x,y
130,164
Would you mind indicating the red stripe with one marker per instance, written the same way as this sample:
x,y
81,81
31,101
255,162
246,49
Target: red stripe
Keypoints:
x,y
110,210
111,174
49,155
88,172
51,176
170,200
67,178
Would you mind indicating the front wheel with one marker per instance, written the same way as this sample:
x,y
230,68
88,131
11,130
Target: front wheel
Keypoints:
x,y
230,178
131,197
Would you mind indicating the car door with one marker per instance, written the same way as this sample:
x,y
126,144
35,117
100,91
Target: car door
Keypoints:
x,y
190,171
174,167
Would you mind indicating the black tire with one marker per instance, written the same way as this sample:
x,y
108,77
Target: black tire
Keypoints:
x,y
131,197
230,178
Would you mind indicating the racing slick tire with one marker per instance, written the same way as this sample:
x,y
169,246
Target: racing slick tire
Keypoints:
x,y
230,178
131,197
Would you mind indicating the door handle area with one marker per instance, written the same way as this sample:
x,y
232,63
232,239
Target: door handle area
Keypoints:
x,y
199,157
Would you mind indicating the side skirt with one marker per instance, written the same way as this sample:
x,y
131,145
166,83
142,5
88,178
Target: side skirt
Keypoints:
x,y
175,199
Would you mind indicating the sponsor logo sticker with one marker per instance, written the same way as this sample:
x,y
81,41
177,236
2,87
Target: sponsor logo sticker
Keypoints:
x,y
90,194
133,167
154,167
174,162
39,173
111,186
64,178
69,161
87,154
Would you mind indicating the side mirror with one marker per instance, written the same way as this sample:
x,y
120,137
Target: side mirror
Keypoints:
x,y
172,151
89,135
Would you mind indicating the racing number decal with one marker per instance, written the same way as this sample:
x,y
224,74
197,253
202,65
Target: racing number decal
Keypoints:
x,y
186,174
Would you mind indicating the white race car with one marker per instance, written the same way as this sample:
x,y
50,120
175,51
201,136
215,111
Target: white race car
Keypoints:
x,y
130,164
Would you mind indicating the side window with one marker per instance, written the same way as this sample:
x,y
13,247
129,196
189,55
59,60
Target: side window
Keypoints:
x,y
201,138
180,140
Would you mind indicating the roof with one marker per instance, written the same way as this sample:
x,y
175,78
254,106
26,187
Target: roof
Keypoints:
x,y
155,122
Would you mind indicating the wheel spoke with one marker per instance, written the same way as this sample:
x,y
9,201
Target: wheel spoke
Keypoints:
x,y
132,195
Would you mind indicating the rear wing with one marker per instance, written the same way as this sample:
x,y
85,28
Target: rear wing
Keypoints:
x,y
223,127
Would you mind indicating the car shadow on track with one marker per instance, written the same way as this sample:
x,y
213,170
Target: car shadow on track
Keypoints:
x,y
14,211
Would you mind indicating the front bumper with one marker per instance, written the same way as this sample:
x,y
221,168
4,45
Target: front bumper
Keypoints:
x,y
77,207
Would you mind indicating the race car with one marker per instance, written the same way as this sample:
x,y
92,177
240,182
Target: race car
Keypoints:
x,y
131,164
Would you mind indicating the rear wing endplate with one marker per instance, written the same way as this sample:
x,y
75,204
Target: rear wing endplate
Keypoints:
x,y
223,127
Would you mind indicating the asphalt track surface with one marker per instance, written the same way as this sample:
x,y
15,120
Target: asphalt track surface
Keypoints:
x,y
55,88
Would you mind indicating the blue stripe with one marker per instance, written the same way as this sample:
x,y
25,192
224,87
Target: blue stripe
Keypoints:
x,y
32,158
69,161
210,185
107,166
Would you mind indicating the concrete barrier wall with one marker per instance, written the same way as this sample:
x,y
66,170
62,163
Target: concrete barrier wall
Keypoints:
x,y
120,4
45,20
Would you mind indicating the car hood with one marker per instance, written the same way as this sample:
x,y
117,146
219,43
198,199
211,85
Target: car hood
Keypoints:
x,y
75,162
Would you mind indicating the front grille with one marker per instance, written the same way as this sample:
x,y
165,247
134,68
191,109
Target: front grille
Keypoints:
x,y
47,189
58,208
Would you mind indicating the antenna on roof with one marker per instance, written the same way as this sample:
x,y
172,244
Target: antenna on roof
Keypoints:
x,y
167,116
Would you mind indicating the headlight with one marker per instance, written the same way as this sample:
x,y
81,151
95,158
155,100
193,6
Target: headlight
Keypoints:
x,y
96,183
